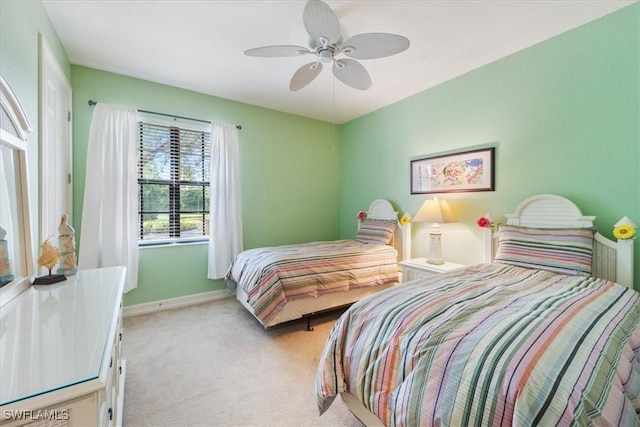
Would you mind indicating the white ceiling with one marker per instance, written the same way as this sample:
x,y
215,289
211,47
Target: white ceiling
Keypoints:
x,y
199,45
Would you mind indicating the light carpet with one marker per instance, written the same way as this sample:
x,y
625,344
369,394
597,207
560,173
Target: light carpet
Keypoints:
x,y
213,364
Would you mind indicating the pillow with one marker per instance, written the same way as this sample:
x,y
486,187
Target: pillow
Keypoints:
x,y
561,250
376,231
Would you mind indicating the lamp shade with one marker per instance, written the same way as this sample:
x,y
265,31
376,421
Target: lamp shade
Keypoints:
x,y
434,210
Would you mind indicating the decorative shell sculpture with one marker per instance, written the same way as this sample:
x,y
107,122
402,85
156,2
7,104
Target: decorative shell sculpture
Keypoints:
x,y
4,263
49,255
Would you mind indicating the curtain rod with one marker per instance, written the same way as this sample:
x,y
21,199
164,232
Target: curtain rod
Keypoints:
x,y
92,103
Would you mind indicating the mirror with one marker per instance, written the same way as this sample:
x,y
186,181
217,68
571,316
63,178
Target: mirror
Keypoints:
x,y
10,260
16,262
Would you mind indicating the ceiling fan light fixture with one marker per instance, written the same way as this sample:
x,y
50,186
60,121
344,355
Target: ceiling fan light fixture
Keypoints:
x,y
325,55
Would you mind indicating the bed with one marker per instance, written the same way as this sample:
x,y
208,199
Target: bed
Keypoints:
x,y
526,339
284,283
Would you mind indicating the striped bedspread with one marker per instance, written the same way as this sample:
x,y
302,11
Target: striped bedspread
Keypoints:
x,y
495,345
274,275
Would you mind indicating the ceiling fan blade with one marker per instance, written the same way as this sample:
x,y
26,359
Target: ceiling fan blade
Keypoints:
x,y
374,45
277,51
352,73
321,22
305,75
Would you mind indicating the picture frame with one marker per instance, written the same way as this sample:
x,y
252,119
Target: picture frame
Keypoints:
x,y
464,171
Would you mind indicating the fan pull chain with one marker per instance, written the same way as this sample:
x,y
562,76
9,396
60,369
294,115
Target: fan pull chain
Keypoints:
x,y
333,101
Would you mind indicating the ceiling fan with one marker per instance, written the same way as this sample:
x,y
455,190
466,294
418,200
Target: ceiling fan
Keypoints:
x,y
326,42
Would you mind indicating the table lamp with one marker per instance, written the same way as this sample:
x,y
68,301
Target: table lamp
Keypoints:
x,y
435,211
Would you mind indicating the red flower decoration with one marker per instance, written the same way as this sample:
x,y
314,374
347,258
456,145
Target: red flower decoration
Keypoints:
x,y
362,215
484,222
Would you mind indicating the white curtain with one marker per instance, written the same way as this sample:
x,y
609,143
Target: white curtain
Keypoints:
x,y
225,240
109,235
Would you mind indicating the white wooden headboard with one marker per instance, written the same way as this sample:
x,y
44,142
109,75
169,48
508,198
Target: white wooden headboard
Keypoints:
x,y
382,209
611,260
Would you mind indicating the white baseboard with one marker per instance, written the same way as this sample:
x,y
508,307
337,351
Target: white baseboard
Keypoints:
x,y
171,303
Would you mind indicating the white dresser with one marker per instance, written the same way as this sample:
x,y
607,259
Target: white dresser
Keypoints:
x,y
60,353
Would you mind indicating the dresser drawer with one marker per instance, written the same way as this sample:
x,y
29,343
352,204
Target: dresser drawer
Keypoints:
x,y
419,268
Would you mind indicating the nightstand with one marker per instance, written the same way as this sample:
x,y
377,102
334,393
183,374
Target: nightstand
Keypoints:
x,y
418,268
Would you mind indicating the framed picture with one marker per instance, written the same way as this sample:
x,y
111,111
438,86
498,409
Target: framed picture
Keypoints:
x,y
456,172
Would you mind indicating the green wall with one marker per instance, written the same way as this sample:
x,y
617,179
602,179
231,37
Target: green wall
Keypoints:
x,y
564,116
23,24
289,172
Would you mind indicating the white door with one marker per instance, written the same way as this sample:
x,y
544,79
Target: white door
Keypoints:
x,y
55,146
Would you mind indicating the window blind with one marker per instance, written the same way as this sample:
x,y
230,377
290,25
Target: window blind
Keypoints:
x,y
173,183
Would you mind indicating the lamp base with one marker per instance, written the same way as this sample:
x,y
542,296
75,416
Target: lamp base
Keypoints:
x,y
435,246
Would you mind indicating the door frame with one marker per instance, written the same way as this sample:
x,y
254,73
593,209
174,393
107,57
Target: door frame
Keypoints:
x,y
50,67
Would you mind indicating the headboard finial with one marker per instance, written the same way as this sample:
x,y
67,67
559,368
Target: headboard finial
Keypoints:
x,y
625,220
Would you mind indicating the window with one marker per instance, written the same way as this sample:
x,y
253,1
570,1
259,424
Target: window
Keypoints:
x,y
173,183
